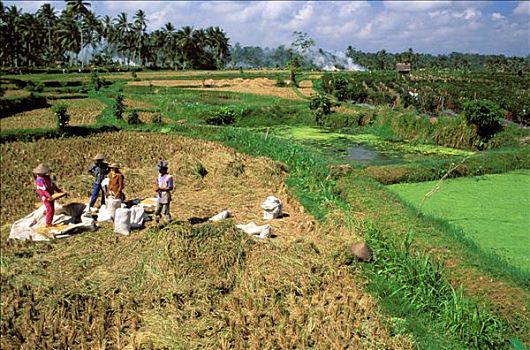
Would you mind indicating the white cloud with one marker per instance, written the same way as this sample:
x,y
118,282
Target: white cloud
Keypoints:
x,y
523,8
496,16
426,26
33,6
415,6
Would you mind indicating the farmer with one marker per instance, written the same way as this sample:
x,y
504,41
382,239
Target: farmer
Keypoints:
x,y
99,170
164,186
45,189
116,182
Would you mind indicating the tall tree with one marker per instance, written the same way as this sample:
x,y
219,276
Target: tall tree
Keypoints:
x,y
140,36
186,42
48,18
123,36
78,9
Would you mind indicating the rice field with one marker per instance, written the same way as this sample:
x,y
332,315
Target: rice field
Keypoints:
x,y
257,86
493,210
186,285
82,111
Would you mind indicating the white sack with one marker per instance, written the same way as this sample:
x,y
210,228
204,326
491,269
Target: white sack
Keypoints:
x,y
112,205
222,215
263,231
122,221
137,216
72,218
103,214
272,208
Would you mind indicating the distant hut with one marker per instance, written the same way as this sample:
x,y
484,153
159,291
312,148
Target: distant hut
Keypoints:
x,y
403,67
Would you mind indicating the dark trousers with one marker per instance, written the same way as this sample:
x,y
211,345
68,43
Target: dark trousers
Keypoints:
x,y
97,189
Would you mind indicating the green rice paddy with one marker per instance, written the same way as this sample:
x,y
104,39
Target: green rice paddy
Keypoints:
x,y
493,210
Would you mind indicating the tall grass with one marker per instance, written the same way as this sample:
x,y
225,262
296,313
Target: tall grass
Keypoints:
x,y
416,283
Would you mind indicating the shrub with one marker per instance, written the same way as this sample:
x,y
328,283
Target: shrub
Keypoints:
x,y
321,105
96,81
119,107
134,118
280,82
225,116
485,115
61,116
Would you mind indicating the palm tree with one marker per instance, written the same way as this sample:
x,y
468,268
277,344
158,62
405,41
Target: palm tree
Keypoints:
x,y
218,40
140,36
31,39
48,19
186,42
12,36
123,36
170,44
68,34
79,10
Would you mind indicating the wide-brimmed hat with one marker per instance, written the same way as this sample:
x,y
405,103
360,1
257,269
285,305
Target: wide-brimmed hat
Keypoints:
x,y
362,251
115,165
42,169
99,156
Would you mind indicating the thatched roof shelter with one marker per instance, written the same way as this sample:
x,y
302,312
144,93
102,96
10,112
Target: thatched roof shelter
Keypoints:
x,y
403,67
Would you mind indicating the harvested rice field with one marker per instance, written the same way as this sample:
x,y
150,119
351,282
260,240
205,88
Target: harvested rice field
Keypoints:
x,y
82,111
188,284
258,86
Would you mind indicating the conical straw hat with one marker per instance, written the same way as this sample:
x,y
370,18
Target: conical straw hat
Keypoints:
x,y
99,156
362,251
42,169
115,165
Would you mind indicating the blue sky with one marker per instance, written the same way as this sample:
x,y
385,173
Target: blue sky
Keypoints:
x,y
489,27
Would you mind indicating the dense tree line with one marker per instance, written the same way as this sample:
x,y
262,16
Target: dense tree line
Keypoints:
x,y
255,56
77,35
48,38
383,60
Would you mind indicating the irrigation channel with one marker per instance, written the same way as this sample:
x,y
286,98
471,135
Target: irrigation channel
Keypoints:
x,y
365,149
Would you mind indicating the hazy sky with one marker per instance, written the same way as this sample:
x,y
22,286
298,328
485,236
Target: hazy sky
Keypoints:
x,y
492,27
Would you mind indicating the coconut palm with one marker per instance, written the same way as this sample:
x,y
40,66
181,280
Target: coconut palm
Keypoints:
x,y
68,34
48,19
123,36
218,40
11,52
31,39
139,28
186,41
169,45
78,9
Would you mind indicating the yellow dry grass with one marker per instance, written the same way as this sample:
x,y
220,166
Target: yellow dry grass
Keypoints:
x,y
168,288
137,104
176,74
258,86
16,93
82,111
306,88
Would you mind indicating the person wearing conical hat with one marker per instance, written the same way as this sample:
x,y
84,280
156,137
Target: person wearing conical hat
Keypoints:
x,y
99,170
45,189
116,182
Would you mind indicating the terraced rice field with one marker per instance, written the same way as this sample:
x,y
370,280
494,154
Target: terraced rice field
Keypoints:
x,y
82,111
